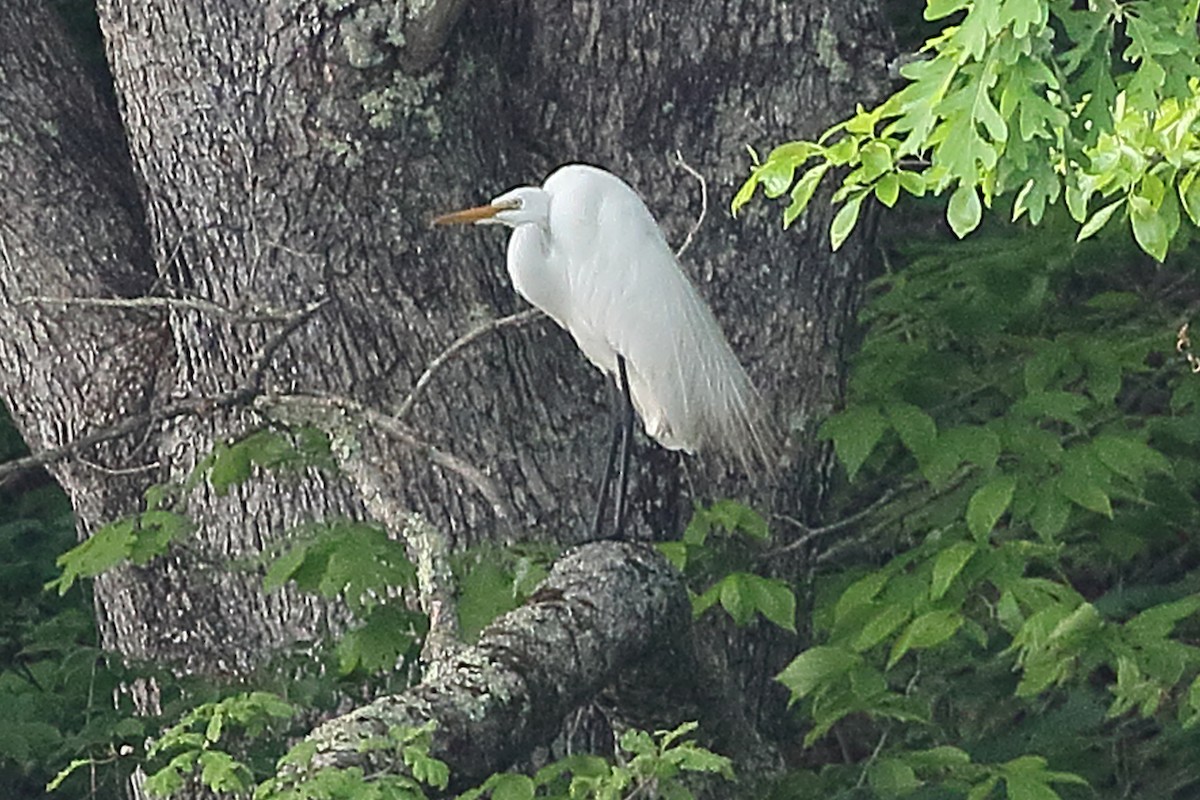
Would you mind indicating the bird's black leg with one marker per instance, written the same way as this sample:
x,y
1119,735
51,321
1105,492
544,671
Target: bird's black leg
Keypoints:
x,y
609,464
626,441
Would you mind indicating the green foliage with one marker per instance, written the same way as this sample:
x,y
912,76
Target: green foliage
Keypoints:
x,y
190,746
1034,99
137,539
232,463
722,563
494,580
228,742
298,779
1036,455
56,685
650,766
141,537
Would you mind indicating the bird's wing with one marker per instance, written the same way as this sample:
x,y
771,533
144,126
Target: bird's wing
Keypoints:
x,y
629,296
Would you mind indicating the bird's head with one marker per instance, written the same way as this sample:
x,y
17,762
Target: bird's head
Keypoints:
x,y
520,206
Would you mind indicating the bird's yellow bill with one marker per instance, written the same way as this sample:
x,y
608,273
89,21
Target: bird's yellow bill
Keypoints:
x,y
468,215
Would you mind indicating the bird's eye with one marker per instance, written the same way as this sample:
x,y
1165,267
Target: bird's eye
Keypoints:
x,y
513,203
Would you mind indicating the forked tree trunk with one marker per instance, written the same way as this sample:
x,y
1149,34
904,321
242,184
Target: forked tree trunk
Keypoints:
x,y
265,156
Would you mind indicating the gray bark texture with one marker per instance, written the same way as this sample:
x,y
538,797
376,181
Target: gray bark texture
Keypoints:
x,y
252,159
606,609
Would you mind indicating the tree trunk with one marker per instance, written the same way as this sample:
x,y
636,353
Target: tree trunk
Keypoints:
x,y
267,156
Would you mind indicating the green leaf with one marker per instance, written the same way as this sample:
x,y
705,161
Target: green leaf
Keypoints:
x,y
99,553
1044,365
1082,490
773,599
988,503
930,629
892,777
855,432
844,221
744,194
1098,220
703,602
154,532
222,773
937,9
938,757
983,789
509,786
964,211
916,429
1028,787
802,192
736,599
1050,512
817,667
1158,622
1130,457
888,618
284,566
859,594
736,517
1063,406
1189,194
887,190
231,466
876,159
1149,228
949,563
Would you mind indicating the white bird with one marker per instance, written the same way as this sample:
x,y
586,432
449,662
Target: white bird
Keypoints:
x,y
586,251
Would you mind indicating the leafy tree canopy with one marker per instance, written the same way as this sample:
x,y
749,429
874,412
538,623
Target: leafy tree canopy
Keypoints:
x,y
1033,100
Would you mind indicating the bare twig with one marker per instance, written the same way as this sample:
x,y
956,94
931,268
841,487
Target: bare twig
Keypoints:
x,y
391,425
811,534
687,241
239,396
511,321
291,322
862,776
119,471
191,406
241,316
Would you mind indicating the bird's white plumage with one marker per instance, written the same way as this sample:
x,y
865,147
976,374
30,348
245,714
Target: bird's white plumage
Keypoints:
x,y
586,250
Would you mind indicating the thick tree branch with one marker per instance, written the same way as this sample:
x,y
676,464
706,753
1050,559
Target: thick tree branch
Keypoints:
x,y
605,608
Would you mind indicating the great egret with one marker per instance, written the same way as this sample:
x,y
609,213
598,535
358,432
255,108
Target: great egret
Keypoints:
x,y
586,250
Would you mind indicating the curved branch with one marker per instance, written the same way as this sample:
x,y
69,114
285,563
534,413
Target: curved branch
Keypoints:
x,y
605,608
511,321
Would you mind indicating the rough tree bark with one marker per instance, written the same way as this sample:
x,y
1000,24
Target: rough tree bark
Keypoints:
x,y
266,157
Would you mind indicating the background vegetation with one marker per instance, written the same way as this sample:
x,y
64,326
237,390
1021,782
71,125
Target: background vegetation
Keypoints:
x,y
1003,602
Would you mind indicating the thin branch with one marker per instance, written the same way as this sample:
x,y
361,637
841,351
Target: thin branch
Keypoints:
x,y
119,471
191,406
511,321
448,461
239,396
240,316
391,425
811,534
291,322
687,241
